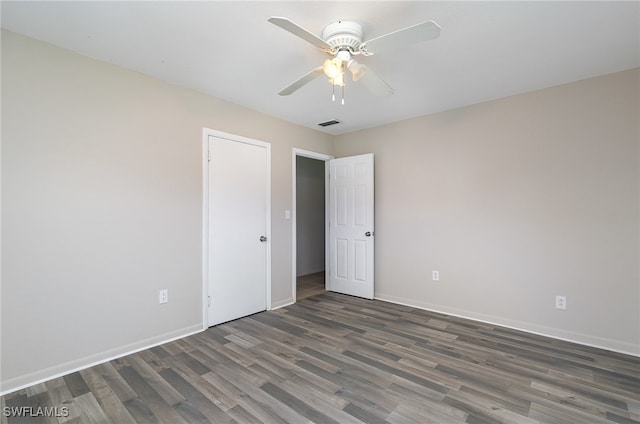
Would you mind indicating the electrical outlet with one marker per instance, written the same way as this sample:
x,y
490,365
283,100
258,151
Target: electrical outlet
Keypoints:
x,y
561,302
435,275
164,296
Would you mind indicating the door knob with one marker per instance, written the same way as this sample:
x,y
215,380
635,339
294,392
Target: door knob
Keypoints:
x,y
263,239
368,234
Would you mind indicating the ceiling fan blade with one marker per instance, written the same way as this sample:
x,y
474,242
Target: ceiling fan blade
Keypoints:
x,y
297,30
305,79
369,79
421,32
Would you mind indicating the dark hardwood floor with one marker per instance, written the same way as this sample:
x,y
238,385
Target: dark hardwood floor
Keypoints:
x,y
338,359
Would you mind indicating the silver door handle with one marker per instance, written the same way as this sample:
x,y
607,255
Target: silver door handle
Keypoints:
x,y
263,239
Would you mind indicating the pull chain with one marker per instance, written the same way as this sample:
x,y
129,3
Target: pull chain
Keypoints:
x,y
333,89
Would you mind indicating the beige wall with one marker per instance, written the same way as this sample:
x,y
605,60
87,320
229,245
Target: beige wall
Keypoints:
x,y
516,201
102,207
310,216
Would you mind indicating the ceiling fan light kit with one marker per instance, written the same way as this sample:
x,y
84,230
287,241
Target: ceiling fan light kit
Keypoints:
x,y
342,40
334,69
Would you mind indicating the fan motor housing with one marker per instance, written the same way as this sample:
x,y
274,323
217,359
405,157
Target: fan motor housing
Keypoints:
x,y
343,35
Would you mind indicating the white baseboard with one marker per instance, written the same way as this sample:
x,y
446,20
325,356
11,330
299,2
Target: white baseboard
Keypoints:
x,y
282,303
569,336
37,377
309,272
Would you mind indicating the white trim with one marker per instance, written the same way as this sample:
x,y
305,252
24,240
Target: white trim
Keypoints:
x,y
282,304
205,226
206,133
567,336
66,368
294,241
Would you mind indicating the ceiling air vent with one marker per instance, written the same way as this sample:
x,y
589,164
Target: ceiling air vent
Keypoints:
x,y
328,123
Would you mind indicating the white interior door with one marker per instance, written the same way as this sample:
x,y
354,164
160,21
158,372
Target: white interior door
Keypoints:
x,y
351,230
238,191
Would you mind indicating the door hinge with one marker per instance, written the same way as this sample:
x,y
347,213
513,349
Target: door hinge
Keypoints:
x,y
209,156
208,300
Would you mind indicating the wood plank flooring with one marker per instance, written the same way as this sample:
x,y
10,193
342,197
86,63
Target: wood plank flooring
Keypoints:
x,y
310,285
338,359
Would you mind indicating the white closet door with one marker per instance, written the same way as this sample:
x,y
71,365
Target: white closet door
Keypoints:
x,y
238,201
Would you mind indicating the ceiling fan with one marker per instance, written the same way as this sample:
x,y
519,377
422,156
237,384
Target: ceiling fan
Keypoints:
x,y
342,40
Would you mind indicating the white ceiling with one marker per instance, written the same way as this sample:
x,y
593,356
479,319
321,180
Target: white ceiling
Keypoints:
x,y
486,50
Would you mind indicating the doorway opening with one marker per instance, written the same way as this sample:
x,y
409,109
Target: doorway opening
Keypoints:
x,y
310,231
349,241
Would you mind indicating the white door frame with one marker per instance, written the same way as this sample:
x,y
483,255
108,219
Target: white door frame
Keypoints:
x,y
206,132
326,158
